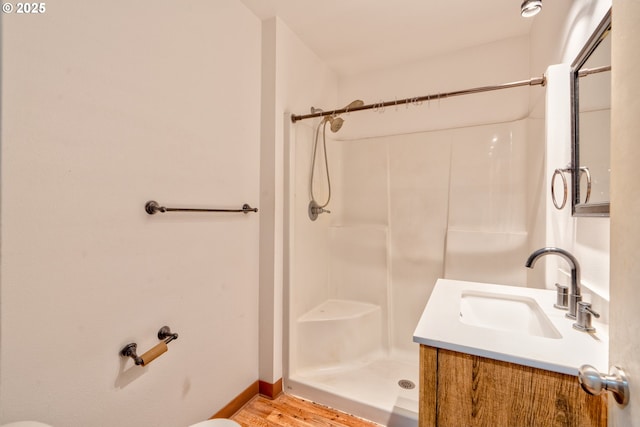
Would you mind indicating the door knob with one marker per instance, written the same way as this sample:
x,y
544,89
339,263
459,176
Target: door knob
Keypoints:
x,y
593,382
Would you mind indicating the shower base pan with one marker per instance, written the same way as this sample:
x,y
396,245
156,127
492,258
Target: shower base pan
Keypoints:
x,y
374,391
343,363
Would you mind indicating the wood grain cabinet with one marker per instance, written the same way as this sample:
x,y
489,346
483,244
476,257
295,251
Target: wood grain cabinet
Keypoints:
x,y
461,390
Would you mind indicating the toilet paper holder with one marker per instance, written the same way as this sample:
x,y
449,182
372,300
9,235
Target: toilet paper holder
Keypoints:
x,y
164,334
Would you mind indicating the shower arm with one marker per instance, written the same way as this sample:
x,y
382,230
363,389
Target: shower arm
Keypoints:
x,y
536,81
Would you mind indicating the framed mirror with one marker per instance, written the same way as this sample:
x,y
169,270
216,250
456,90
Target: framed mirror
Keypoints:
x,y
591,124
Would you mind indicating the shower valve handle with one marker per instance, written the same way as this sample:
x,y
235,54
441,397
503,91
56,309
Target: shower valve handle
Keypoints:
x,y
315,210
318,210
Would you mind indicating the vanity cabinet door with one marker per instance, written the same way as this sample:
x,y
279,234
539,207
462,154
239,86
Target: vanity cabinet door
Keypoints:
x,y
475,391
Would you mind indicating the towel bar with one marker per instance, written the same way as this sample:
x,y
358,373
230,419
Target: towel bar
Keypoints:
x,y
152,207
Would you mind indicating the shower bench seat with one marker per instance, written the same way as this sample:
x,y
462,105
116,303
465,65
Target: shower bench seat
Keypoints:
x,y
338,333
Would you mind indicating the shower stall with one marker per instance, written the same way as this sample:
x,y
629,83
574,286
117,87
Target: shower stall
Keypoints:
x,y
405,210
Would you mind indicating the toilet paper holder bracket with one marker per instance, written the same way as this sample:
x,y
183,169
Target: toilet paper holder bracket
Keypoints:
x,y
164,334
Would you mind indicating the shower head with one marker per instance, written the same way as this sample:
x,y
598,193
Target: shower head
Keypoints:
x,y
336,123
354,104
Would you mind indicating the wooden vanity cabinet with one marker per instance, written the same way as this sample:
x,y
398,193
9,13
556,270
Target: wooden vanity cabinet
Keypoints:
x,y
461,390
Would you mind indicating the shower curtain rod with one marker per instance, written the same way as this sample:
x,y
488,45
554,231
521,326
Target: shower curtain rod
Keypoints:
x,y
531,82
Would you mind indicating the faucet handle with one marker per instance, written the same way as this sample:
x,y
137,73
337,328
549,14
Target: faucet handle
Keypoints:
x,y
583,317
562,297
588,308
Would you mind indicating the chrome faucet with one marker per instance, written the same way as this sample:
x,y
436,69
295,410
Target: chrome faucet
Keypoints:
x,y
575,296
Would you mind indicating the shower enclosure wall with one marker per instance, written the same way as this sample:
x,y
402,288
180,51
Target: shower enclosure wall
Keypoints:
x,y
405,210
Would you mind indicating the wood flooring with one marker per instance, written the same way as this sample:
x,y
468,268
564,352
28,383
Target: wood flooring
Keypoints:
x,y
289,411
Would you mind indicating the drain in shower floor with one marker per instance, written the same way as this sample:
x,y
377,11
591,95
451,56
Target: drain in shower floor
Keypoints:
x,y
406,384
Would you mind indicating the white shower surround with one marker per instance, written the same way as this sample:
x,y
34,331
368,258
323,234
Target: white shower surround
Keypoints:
x,y
394,201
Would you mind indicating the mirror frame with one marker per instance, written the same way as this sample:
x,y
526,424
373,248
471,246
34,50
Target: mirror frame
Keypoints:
x,y
577,208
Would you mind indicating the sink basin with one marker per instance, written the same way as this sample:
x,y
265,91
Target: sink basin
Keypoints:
x,y
513,324
504,312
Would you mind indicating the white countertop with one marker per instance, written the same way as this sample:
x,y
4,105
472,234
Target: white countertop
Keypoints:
x,y
440,326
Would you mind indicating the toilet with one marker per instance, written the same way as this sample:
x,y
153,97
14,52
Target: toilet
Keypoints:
x,y
216,422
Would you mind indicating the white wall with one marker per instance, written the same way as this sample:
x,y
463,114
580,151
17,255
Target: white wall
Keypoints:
x,y
105,106
294,79
557,36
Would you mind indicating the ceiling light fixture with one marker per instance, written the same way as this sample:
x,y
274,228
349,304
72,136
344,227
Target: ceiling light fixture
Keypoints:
x,y
530,8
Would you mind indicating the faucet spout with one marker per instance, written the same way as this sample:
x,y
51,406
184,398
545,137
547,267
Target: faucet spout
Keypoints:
x,y
575,296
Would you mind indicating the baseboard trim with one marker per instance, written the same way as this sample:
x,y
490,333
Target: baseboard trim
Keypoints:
x,y
238,402
264,388
269,390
